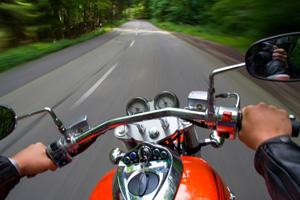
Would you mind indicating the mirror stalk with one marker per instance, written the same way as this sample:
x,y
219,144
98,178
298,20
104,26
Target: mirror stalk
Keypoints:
x,y
211,90
57,121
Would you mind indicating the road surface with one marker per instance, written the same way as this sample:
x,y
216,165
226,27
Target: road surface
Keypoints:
x,y
98,78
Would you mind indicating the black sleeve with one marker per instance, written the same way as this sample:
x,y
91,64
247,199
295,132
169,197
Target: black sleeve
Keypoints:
x,y
9,176
278,161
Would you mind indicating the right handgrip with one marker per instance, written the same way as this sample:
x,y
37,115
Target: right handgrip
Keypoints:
x,y
295,128
295,125
239,121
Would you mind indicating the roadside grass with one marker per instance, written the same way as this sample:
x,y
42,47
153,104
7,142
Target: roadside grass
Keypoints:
x,y
20,55
241,43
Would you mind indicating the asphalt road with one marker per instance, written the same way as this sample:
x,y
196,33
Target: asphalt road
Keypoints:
x,y
98,78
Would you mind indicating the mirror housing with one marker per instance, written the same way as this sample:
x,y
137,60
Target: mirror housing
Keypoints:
x,y
275,58
8,121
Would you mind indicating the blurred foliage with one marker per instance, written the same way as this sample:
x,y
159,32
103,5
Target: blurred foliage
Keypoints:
x,y
247,18
295,55
28,21
228,21
25,53
239,42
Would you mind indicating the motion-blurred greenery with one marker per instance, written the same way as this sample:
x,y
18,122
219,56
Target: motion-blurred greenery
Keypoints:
x,y
248,18
46,22
239,42
20,55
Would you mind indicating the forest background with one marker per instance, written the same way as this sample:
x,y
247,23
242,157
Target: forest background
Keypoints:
x,y
41,24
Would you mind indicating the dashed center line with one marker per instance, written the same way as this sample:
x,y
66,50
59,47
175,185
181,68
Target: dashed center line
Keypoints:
x,y
94,87
132,43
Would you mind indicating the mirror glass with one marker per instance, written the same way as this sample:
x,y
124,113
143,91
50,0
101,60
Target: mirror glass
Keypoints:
x,y
276,58
7,121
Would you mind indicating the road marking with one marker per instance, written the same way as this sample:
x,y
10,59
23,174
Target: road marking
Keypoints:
x,y
132,43
95,86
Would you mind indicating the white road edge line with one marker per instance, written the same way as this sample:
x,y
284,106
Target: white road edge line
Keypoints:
x,y
132,43
94,87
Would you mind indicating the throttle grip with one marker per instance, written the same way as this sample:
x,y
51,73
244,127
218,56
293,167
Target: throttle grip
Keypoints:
x,y
239,121
295,128
295,125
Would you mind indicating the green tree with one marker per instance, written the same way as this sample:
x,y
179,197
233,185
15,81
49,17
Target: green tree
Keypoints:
x,y
233,15
275,17
24,21
17,19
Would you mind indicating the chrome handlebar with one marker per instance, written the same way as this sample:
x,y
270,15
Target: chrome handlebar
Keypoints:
x,y
113,123
62,151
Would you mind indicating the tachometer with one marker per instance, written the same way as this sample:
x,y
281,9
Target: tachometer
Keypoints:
x,y
166,99
137,105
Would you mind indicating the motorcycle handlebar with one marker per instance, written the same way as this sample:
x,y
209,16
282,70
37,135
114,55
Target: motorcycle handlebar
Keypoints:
x,y
110,124
62,150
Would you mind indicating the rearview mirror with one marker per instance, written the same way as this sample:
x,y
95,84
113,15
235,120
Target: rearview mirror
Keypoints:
x,y
276,58
8,121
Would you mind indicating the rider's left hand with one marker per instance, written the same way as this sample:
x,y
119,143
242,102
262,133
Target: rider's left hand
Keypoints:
x,y
33,160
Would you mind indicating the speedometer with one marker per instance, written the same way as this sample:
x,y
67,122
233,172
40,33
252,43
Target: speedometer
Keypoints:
x,y
166,99
137,105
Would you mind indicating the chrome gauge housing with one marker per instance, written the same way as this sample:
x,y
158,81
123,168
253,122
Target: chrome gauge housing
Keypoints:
x,y
137,105
166,99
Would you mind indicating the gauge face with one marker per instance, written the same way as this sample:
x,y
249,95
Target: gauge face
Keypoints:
x,y
166,100
137,105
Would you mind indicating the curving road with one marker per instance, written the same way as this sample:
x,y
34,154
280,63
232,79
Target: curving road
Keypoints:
x,y
98,78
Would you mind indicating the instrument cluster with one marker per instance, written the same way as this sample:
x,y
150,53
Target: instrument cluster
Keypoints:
x,y
162,100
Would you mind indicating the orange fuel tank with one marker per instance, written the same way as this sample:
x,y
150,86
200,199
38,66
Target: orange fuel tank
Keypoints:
x,y
199,181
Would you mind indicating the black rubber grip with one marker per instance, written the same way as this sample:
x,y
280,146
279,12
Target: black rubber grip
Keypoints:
x,y
239,121
47,154
295,128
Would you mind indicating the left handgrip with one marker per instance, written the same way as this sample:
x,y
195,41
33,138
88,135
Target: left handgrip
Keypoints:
x,y
47,154
60,155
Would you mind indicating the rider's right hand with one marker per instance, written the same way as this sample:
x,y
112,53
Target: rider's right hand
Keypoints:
x,y
263,122
279,54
